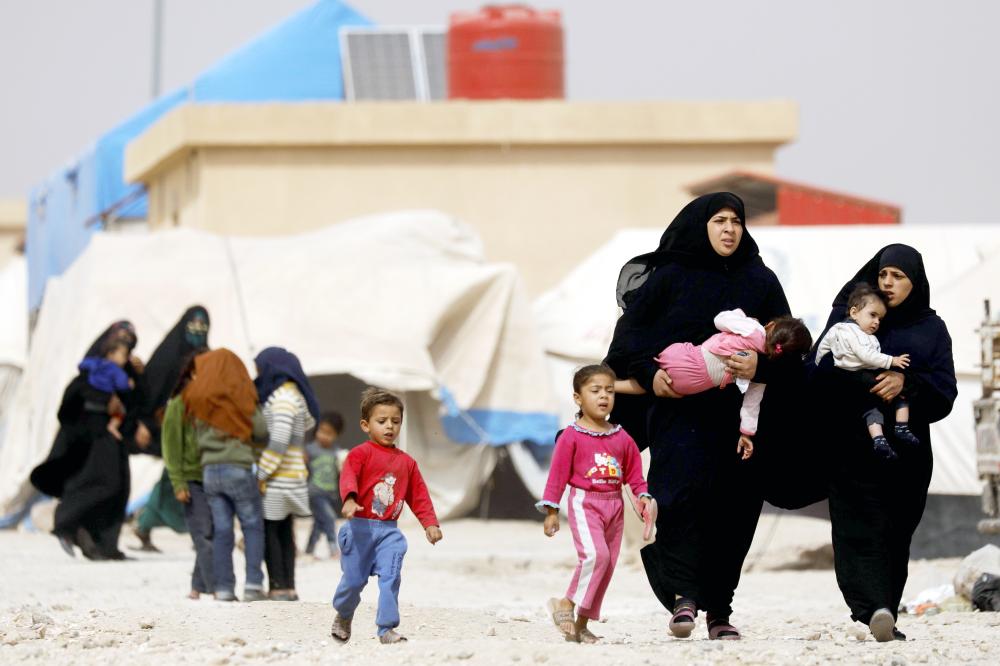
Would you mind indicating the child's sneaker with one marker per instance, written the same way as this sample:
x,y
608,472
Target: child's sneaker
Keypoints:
x,y
903,433
882,448
341,629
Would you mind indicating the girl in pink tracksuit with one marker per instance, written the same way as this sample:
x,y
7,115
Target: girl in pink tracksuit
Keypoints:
x,y
696,368
594,458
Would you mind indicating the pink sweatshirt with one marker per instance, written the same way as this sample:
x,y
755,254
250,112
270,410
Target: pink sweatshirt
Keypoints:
x,y
593,461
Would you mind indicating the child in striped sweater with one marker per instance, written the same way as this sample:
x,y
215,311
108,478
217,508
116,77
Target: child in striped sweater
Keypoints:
x,y
290,409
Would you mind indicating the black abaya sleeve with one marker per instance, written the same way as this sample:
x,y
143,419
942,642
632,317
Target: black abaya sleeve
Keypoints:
x,y
71,407
932,389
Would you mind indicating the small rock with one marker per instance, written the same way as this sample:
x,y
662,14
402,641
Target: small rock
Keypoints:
x,y
146,623
814,636
898,661
465,655
61,607
492,631
236,640
541,657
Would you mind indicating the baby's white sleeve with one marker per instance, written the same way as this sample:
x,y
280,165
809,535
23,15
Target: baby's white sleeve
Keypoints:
x,y
735,321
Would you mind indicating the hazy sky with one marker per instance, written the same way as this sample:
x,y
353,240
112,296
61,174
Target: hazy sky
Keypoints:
x,y
898,99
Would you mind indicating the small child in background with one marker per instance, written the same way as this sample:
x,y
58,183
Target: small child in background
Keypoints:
x,y
376,480
696,368
855,348
324,481
594,458
107,375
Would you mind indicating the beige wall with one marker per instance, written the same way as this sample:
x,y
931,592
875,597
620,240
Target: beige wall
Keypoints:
x,y
543,189
13,220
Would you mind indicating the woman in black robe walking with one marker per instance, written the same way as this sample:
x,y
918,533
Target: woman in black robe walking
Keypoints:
x,y
189,336
709,504
87,467
876,505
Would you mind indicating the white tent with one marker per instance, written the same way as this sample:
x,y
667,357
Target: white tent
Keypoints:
x,y
13,331
404,301
576,319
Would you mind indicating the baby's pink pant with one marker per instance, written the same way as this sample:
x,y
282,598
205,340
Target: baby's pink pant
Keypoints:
x,y
686,366
596,520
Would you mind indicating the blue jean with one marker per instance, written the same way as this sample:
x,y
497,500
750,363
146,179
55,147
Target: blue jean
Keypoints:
x,y
232,490
370,548
324,521
198,516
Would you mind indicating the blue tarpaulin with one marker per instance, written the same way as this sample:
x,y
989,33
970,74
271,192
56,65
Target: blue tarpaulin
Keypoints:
x,y
297,60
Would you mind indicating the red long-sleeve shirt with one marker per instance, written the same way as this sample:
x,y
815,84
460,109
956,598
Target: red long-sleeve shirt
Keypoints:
x,y
382,479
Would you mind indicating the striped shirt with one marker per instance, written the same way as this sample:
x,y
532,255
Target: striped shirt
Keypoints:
x,y
282,464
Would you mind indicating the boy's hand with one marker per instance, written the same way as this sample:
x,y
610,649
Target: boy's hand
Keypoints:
x,y
182,495
745,447
901,361
262,487
433,533
350,508
551,524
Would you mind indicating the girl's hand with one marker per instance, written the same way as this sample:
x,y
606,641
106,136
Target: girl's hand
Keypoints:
x,y
744,365
663,385
551,525
647,507
890,385
901,361
182,495
433,534
745,447
350,508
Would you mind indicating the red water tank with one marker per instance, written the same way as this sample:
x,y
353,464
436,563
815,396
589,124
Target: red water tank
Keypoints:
x,y
505,52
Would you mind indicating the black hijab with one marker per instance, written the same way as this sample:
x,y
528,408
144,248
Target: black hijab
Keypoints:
x,y
916,307
686,241
188,335
120,330
275,366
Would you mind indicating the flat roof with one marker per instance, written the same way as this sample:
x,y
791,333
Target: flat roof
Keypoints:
x,y
503,123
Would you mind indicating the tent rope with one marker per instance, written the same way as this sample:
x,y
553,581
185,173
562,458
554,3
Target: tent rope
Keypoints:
x,y
238,285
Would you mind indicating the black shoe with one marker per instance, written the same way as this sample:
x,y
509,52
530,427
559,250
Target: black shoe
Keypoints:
x,y
117,555
898,635
146,540
87,545
882,448
905,435
67,544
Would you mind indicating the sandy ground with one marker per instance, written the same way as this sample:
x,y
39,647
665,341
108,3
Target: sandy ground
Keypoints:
x,y
476,597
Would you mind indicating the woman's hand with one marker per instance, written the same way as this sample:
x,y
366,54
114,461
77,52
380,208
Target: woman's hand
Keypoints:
x,y
745,447
142,437
663,385
890,385
182,495
742,365
137,363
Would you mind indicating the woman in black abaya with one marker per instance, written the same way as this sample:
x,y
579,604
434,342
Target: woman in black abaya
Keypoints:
x,y
876,505
188,336
708,505
88,468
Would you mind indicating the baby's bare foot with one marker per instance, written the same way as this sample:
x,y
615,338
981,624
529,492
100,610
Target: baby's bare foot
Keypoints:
x,y
390,637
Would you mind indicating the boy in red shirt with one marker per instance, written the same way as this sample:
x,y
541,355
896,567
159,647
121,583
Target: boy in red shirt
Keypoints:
x,y
376,480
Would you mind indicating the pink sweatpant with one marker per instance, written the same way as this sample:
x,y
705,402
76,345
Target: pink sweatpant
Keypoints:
x,y
596,520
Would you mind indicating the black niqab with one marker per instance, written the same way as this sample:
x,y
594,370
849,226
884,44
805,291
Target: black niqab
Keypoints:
x,y
164,367
686,241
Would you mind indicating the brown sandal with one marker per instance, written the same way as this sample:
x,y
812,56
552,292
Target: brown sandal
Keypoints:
x,y
341,629
390,637
563,619
587,636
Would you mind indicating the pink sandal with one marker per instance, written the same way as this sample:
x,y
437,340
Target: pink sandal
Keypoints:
x,y
682,621
720,629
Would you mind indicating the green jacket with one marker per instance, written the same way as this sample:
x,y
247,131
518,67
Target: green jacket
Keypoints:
x,y
220,448
180,447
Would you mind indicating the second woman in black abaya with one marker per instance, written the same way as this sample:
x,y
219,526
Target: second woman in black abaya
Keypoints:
x,y
876,505
708,504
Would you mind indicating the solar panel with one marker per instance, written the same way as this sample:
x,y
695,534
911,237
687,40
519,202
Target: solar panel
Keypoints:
x,y
394,63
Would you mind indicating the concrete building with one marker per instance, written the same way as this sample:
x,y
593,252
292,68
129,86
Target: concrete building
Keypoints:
x,y
13,218
544,183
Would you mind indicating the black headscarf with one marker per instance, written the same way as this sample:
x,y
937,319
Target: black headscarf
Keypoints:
x,y
120,330
686,240
190,334
916,306
275,366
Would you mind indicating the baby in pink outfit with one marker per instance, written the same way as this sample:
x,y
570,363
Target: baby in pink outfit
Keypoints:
x,y
696,368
